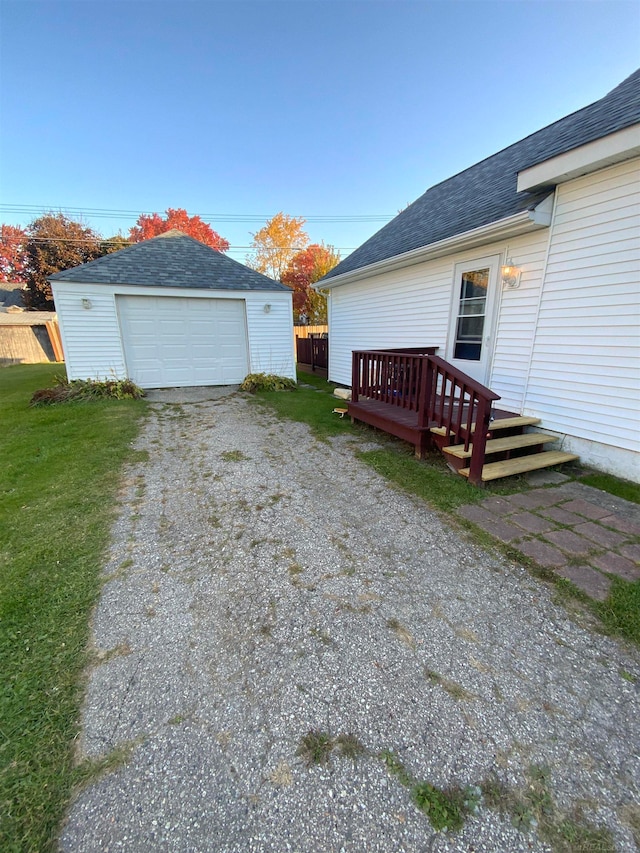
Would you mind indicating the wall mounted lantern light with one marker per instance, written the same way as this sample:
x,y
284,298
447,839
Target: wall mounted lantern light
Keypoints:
x,y
86,303
267,308
511,274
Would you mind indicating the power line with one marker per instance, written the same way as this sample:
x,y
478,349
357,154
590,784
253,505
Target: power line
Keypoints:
x,y
114,213
110,241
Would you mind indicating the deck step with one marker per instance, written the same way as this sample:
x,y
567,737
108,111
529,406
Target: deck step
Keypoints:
x,y
509,467
499,445
498,423
510,423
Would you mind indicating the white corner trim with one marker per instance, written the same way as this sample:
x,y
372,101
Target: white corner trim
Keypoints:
x,y
543,213
511,226
619,146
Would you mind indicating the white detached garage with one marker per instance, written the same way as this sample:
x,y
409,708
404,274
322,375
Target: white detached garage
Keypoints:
x,y
172,312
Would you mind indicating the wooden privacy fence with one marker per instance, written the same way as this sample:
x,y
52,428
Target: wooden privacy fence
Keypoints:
x,y
313,349
306,331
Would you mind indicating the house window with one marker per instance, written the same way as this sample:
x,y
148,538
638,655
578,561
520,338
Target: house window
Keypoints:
x,y
471,314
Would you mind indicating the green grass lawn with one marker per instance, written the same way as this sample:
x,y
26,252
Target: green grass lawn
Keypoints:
x,y
614,486
429,478
313,406
58,482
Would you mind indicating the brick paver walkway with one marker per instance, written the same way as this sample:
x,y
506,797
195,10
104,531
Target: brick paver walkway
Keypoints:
x,y
583,534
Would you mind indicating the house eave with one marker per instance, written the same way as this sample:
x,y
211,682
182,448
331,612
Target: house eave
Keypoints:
x,y
607,151
511,226
164,285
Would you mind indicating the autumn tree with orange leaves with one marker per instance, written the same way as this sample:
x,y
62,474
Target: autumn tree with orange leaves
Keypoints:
x,y
307,267
275,245
151,225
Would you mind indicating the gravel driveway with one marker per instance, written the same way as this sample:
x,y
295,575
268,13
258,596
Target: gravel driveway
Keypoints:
x,y
263,584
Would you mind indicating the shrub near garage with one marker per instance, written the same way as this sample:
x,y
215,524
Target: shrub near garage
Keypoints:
x,y
87,389
267,382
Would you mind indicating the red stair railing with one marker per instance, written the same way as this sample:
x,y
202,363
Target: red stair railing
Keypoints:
x,y
442,395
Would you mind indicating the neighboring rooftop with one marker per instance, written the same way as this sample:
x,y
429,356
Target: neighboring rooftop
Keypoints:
x,y
26,318
172,259
11,295
487,192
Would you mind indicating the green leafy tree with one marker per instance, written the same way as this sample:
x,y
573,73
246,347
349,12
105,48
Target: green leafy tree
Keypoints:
x,y
113,244
275,245
307,267
55,243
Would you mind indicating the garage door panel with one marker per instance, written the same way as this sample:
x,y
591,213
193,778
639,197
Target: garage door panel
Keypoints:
x,y
200,352
173,347
200,326
181,341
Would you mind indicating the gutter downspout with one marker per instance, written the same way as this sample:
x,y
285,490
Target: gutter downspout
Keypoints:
x,y
539,306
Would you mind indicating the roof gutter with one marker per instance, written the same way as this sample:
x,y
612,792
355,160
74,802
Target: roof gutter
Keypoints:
x,y
511,226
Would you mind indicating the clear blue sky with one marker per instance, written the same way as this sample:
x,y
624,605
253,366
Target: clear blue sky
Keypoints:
x,y
320,109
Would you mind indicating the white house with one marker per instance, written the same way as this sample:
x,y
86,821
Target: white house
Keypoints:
x,y
524,271
172,312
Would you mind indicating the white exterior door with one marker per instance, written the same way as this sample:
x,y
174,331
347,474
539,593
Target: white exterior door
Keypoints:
x,y
473,321
180,341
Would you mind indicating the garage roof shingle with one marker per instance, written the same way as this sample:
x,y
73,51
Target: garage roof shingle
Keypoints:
x,y
487,192
172,259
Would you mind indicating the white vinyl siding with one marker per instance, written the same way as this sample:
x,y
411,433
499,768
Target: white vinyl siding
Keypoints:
x,y
404,308
567,340
517,322
411,307
92,338
585,368
271,334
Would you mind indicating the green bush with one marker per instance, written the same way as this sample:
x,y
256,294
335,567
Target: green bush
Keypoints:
x,y
87,389
267,382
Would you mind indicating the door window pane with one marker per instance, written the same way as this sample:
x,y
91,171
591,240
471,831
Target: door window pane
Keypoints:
x,y
470,329
474,283
472,306
471,311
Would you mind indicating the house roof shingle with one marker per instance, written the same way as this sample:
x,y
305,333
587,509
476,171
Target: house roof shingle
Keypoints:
x,y
487,192
172,259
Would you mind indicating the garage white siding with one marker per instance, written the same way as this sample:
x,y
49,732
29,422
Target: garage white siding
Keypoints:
x,y
271,334
178,341
90,336
96,339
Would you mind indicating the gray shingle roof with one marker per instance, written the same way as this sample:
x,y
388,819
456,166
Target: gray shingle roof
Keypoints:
x,y
172,259
487,192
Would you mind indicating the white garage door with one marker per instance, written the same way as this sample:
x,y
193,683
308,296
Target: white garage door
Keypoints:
x,y
175,341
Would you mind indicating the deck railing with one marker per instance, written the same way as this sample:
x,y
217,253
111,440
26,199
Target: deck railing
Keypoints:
x,y
394,377
441,395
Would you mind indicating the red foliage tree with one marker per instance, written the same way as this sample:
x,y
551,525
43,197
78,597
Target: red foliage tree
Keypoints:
x,y
150,225
13,254
307,267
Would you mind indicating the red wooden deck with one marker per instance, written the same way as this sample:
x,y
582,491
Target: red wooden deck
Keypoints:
x,y
408,392
403,423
